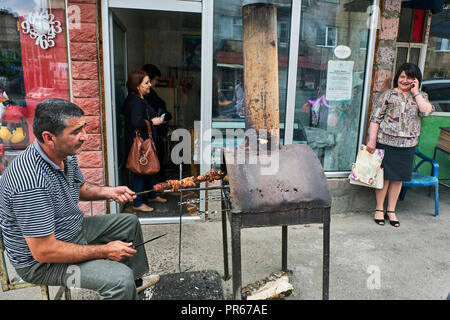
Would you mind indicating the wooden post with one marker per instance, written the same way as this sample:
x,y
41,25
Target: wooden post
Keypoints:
x,y
260,51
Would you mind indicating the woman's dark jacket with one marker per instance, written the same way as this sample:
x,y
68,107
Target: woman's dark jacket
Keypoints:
x,y
135,111
159,107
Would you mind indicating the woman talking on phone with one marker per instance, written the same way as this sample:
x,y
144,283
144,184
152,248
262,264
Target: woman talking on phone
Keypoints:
x,y
136,110
395,127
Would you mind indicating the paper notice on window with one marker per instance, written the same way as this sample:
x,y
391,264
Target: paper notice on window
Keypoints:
x,y
339,80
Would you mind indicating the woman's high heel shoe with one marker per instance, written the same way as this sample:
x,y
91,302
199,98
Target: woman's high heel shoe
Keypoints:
x,y
379,221
394,223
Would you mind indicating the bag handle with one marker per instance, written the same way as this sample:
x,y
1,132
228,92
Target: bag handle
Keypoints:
x,y
149,128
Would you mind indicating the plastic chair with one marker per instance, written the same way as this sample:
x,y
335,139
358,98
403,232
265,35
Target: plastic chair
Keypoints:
x,y
18,283
422,180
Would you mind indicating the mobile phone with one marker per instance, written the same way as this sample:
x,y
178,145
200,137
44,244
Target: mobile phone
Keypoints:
x,y
163,116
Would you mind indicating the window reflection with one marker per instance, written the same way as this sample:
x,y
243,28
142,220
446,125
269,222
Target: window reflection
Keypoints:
x,y
436,76
325,119
228,95
33,67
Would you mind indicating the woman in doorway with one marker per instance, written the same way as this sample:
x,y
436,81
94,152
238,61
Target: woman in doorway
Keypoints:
x,y
159,107
395,127
136,111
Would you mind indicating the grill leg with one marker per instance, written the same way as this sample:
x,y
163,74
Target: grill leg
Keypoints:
x,y
284,248
226,275
236,255
326,256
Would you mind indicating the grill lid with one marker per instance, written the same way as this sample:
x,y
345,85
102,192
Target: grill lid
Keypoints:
x,y
289,178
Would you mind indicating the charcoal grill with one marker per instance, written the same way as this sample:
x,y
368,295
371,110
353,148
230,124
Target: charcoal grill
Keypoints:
x,y
296,194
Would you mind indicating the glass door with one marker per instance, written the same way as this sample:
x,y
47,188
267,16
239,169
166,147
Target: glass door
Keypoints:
x,y
332,56
119,56
154,32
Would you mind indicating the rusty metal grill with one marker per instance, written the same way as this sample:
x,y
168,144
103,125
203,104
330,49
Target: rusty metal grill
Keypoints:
x,y
296,194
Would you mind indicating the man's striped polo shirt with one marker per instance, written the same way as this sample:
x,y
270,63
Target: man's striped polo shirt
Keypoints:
x,y
37,198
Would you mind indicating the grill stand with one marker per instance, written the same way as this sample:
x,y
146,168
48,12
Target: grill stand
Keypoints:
x,y
239,221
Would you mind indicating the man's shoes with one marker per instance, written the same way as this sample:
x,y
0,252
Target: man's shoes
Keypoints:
x,y
143,208
148,281
157,199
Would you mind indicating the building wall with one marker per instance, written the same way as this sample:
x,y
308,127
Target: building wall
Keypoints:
x,y
385,52
84,62
84,50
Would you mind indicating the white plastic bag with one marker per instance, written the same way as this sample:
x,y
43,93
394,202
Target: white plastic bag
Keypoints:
x,y
367,168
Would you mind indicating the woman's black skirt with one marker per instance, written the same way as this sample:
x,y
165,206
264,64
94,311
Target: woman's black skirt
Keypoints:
x,y
397,162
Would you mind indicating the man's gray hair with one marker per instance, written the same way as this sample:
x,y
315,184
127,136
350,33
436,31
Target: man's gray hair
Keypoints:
x,y
51,115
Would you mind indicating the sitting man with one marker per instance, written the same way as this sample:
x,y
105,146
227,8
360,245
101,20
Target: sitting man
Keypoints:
x,y
46,237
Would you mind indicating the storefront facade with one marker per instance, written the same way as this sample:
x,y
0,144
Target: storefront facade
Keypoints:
x,y
334,58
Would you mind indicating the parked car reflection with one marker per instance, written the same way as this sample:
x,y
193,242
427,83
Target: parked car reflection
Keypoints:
x,y
438,93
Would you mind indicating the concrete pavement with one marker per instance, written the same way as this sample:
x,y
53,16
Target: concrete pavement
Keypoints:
x,y
367,261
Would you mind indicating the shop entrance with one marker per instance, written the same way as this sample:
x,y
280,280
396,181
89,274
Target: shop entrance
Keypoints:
x,y
171,41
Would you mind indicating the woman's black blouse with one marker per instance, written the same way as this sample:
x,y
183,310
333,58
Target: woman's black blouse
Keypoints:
x,y
135,110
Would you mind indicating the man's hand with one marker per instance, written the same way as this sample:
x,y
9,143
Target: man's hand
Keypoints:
x,y
118,250
121,194
49,250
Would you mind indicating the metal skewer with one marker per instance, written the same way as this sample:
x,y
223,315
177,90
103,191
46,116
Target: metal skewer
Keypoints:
x,y
134,246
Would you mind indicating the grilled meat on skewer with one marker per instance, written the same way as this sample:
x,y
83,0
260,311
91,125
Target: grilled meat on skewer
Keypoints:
x,y
189,182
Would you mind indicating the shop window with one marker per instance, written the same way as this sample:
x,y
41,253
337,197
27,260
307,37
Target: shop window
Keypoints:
x,y
328,109
411,25
283,34
442,44
409,53
230,28
437,64
364,39
33,67
228,110
410,39
326,36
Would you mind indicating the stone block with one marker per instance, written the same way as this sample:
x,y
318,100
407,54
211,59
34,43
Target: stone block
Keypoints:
x,y
98,208
84,70
392,5
94,143
90,106
388,28
87,32
85,206
81,1
93,175
382,80
85,88
92,208
81,12
93,124
83,51
386,55
90,159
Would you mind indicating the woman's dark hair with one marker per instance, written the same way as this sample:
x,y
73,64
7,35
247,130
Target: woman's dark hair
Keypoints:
x,y
411,70
52,114
152,71
135,78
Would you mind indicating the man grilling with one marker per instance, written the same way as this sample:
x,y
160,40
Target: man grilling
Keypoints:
x,y
44,231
